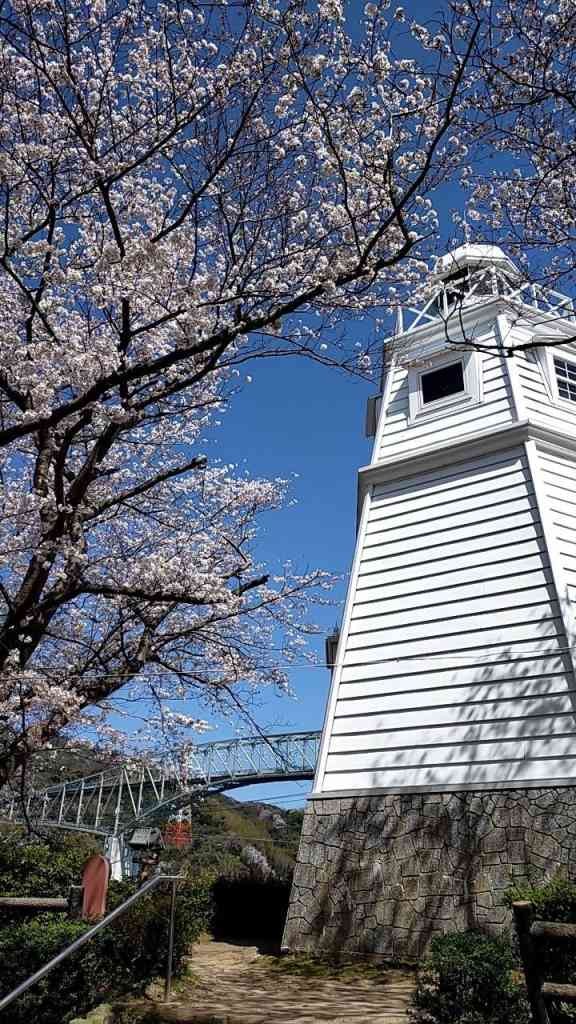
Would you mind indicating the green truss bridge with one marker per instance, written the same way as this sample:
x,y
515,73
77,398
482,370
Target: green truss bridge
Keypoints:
x,y
114,801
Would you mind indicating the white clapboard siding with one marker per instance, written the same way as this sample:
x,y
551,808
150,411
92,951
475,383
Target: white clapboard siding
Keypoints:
x,y
504,636
537,397
564,519
397,425
441,557
514,510
457,752
528,552
445,429
494,381
483,694
461,528
559,475
400,436
489,768
483,641
568,559
449,668
531,376
438,506
431,610
467,475
453,669
439,590
443,738
442,721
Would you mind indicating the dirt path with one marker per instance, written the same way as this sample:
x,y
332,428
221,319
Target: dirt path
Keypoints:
x,y
231,984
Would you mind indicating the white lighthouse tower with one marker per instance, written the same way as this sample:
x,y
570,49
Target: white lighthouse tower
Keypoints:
x,y
448,761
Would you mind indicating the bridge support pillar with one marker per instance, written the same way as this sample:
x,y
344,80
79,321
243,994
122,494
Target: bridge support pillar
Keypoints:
x,y
118,852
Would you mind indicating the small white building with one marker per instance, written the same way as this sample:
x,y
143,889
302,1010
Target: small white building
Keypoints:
x,y
448,758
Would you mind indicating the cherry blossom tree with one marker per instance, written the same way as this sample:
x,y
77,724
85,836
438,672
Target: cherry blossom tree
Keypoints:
x,y
524,196
132,586
183,187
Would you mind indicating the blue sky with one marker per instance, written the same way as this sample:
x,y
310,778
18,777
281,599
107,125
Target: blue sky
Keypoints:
x,y
299,417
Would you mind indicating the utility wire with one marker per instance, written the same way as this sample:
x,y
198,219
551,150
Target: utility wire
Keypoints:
x,y
239,835
299,666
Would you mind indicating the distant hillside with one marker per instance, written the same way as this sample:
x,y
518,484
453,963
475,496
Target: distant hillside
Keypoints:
x,y
62,764
243,838
227,835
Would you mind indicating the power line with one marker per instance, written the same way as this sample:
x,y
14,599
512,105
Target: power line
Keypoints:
x,y
299,666
239,835
277,799
283,795
292,799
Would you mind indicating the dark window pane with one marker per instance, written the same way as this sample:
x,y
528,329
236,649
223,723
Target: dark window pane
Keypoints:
x,y
566,378
448,380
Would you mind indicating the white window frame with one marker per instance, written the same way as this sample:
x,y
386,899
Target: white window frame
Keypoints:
x,y
546,356
471,395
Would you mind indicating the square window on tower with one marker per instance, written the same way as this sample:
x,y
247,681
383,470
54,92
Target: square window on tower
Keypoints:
x,y
438,384
445,385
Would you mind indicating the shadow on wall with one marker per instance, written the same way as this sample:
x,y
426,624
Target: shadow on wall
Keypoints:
x,y
382,874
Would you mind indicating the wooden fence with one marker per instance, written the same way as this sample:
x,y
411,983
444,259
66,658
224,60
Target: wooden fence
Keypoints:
x,y
531,935
71,904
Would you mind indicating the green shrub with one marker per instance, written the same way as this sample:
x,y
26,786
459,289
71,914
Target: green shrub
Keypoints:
x,y
121,958
26,946
42,868
137,943
554,900
468,979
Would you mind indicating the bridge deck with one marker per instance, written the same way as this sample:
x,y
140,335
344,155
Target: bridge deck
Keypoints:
x,y
112,801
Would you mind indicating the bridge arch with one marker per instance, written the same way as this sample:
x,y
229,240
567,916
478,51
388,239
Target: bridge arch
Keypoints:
x,y
114,801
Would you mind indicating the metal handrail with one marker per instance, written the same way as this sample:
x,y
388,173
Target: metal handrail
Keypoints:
x,y
87,936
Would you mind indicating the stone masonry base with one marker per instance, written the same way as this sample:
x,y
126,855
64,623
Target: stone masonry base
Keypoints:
x,y
383,874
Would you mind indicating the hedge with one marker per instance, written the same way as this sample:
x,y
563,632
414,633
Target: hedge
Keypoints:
x,y
469,978
41,868
554,900
121,958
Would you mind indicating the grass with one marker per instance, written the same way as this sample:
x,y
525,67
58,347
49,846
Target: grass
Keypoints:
x,y
144,1015
306,966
